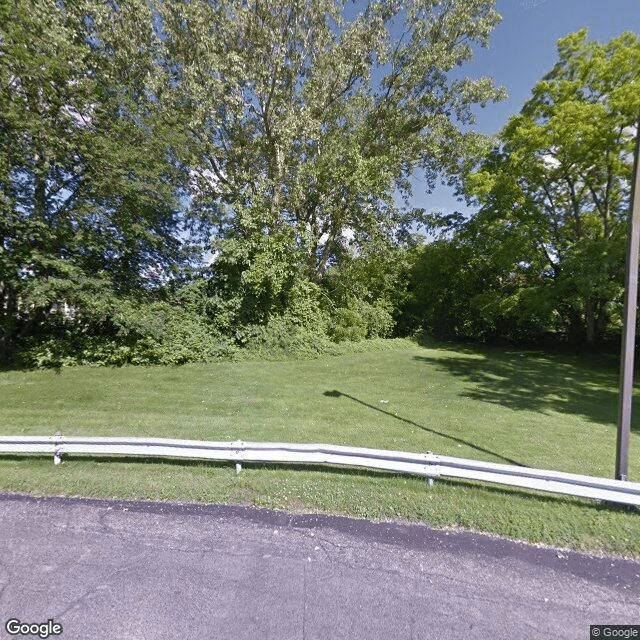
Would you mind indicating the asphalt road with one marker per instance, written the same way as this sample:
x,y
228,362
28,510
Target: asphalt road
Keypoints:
x,y
132,570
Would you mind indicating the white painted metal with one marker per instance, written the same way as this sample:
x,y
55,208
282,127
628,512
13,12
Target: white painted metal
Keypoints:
x,y
423,464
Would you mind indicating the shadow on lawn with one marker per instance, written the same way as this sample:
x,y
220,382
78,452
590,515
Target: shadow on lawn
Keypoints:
x,y
338,394
536,381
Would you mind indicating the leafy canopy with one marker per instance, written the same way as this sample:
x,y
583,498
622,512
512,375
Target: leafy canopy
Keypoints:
x,y
88,202
305,117
286,127
554,193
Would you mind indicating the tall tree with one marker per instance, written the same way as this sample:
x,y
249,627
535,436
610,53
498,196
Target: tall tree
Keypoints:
x,y
87,196
304,118
554,193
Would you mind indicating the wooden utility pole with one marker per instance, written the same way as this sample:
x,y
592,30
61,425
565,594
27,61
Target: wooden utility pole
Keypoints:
x,y
629,322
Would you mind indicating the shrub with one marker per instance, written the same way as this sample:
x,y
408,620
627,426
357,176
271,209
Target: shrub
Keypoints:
x,y
360,320
281,336
347,324
155,333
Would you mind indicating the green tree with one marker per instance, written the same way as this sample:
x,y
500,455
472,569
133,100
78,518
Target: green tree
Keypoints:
x,y
87,198
554,193
287,126
305,117
369,289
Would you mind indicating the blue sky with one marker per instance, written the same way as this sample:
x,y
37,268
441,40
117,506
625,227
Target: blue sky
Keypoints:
x,y
523,49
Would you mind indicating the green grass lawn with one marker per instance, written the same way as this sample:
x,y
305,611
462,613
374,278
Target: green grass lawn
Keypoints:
x,y
530,408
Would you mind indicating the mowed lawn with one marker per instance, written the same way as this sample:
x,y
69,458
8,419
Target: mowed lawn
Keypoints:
x,y
503,405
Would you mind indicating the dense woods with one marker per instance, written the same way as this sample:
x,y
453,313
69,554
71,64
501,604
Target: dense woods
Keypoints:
x,y
184,180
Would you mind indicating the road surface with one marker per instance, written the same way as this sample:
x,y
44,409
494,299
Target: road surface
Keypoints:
x,y
149,571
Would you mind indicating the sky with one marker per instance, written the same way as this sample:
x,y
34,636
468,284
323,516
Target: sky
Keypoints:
x,y
522,50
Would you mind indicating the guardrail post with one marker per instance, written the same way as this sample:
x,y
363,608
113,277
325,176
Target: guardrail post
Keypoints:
x,y
57,452
238,451
431,467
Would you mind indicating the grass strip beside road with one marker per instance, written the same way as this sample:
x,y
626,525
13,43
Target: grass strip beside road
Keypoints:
x,y
530,408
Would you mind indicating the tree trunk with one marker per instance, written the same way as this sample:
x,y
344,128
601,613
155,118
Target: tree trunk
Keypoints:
x,y
590,319
601,319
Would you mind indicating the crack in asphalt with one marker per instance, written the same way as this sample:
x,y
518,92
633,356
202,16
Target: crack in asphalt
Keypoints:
x,y
9,577
102,584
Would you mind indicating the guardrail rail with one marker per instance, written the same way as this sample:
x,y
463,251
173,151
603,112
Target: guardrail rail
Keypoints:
x,y
429,465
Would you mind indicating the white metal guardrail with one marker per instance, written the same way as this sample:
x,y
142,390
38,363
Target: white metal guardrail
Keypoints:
x,y
428,464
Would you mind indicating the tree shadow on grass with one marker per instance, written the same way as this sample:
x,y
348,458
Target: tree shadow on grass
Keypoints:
x,y
536,381
338,394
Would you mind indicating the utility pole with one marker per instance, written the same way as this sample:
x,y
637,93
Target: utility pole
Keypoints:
x,y
629,321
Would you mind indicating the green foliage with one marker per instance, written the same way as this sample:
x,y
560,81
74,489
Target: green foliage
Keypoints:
x,y
360,320
347,324
304,306
282,130
88,192
255,277
366,292
461,290
554,195
443,280
305,117
283,337
155,333
378,320
376,274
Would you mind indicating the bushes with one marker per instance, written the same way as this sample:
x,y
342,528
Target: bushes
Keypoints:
x,y
367,292
156,333
210,319
360,320
281,337
347,324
